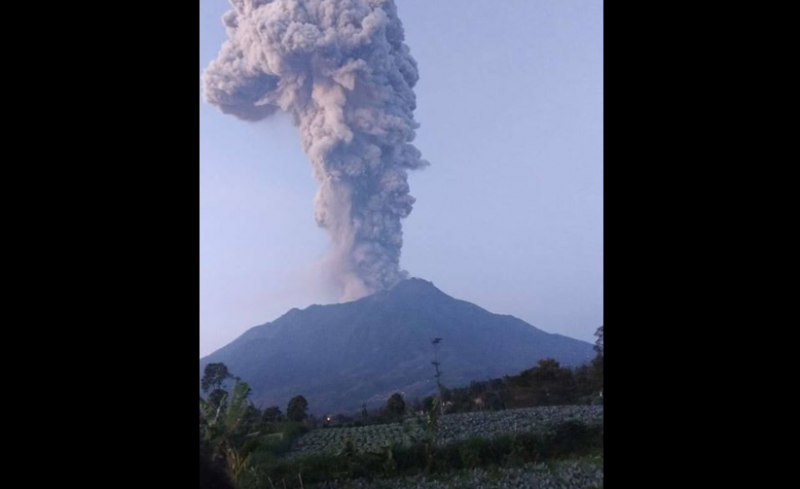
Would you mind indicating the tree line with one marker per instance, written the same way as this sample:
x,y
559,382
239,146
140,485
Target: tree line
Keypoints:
x,y
546,384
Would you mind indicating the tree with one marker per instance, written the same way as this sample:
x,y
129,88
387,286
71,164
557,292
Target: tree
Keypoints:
x,y
226,424
597,363
493,401
546,384
395,406
584,380
296,410
272,414
597,373
216,399
598,345
214,375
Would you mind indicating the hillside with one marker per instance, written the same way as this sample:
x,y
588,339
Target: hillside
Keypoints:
x,y
343,355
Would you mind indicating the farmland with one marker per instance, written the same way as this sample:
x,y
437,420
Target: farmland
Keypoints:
x,y
415,446
567,475
452,428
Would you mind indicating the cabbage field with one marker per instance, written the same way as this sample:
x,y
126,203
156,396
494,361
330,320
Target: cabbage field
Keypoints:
x,y
569,475
452,428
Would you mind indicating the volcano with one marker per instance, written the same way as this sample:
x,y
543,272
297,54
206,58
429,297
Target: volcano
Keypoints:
x,y
341,356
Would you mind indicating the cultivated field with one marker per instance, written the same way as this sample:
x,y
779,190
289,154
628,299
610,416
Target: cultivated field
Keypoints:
x,y
452,428
566,475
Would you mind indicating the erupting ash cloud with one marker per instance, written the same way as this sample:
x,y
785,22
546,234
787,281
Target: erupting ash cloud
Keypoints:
x,y
342,69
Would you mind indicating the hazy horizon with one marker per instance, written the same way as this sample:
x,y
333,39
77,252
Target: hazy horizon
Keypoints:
x,y
509,215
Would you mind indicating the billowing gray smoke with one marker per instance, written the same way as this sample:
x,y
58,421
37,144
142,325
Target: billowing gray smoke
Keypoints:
x,y
341,68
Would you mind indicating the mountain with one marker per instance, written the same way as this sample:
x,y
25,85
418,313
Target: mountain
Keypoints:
x,y
341,356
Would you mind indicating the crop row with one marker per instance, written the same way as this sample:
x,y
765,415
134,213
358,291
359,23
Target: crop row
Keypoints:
x,y
452,428
571,475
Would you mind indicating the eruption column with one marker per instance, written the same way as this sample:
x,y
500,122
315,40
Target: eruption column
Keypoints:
x,y
343,71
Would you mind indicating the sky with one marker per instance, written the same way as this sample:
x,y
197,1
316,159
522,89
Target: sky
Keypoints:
x,y
510,213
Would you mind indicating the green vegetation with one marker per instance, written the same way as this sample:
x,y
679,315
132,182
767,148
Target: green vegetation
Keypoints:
x,y
395,407
577,474
546,384
444,429
533,447
561,442
296,411
489,446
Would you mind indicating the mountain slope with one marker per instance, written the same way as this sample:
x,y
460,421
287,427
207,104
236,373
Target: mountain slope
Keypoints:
x,y
343,355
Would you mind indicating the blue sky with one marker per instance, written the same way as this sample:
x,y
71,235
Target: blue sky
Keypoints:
x,y
510,213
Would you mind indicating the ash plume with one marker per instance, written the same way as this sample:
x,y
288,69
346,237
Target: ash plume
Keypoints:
x,y
343,71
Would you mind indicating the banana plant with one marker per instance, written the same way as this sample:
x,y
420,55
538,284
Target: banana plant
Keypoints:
x,y
227,427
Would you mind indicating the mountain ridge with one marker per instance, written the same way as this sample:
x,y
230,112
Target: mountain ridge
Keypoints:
x,y
341,356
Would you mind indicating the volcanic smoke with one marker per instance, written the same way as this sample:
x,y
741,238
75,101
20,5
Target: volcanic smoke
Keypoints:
x,y
344,72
